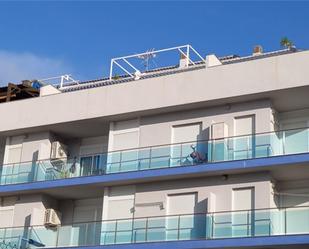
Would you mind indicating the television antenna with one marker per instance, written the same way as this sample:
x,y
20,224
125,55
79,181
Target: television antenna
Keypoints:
x,y
147,57
132,70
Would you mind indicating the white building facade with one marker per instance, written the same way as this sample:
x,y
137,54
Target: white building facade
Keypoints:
x,y
212,154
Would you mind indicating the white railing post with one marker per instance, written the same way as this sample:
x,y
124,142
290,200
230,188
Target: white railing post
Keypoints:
x,y
61,81
111,69
188,55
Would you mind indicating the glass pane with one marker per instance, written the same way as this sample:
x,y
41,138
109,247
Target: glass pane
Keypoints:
x,y
86,165
107,238
219,150
155,234
262,223
296,141
99,162
243,147
124,237
129,161
262,146
139,235
297,221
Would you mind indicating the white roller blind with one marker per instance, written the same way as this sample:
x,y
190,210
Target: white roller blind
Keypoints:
x,y
242,218
6,216
85,214
126,140
244,125
120,209
120,202
87,210
185,133
181,203
92,149
14,154
243,199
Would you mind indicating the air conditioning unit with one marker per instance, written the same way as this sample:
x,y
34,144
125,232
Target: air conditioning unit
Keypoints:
x,y
52,218
58,151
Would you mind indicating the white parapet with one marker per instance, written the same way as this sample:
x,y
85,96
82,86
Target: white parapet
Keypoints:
x,y
212,60
48,90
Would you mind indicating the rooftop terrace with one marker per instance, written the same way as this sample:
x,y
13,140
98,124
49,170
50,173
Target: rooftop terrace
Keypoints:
x,y
176,68
142,66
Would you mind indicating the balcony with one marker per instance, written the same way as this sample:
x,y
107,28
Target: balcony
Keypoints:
x,y
210,226
264,145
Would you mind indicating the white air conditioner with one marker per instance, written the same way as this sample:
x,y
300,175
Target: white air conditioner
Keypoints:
x,y
52,217
58,151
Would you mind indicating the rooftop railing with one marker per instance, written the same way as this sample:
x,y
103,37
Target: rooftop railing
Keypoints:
x,y
163,156
205,226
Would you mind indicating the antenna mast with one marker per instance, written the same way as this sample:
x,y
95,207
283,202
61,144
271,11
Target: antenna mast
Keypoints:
x,y
146,57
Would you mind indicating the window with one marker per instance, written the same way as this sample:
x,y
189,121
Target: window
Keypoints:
x,y
92,165
184,139
244,142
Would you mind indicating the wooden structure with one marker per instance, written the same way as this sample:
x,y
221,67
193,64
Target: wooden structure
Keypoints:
x,y
13,92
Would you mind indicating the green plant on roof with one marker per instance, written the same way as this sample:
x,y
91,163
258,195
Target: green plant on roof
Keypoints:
x,y
64,173
285,42
116,77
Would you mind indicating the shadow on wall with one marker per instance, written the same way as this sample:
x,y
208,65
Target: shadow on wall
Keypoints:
x,y
200,151
25,233
204,134
2,148
200,221
293,199
35,157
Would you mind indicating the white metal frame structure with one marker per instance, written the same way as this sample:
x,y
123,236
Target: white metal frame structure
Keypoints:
x,y
184,50
60,80
187,51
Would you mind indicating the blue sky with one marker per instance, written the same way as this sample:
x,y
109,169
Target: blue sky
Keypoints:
x,y
42,39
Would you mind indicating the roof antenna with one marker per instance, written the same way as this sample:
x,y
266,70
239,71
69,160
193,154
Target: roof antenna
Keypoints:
x,y
146,57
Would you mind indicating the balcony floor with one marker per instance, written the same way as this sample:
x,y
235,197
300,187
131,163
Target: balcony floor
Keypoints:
x,y
273,242
71,186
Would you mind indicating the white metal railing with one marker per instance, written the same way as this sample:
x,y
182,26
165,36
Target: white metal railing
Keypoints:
x,y
127,65
185,51
60,81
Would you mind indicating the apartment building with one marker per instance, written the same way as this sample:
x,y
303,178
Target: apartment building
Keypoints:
x,y
212,152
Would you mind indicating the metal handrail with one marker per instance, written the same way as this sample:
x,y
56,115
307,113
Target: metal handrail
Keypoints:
x,y
279,209
107,166
161,145
202,226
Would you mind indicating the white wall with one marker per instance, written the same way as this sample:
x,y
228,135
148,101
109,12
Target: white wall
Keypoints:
x,y
145,131
30,209
193,87
214,194
36,146
7,211
156,130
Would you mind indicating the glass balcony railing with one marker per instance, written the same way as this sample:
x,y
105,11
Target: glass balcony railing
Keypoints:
x,y
237,224
165,156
